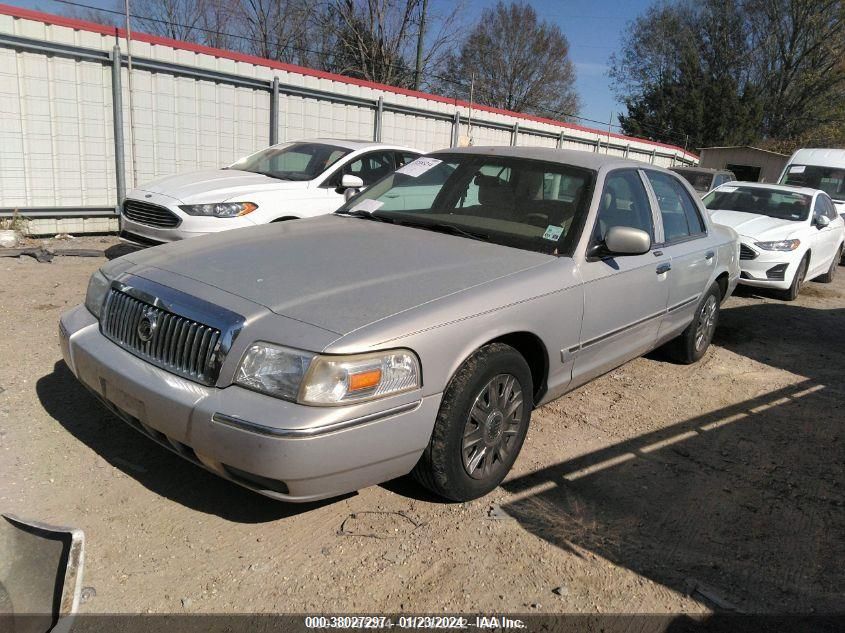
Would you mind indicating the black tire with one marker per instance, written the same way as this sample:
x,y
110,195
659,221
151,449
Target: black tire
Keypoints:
x,y
791,294
441,467
829,276
688,347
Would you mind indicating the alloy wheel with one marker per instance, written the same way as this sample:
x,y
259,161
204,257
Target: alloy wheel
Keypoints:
x,y
706,323
493,426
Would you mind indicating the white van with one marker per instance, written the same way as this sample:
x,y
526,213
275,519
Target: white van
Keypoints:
x,y
818,169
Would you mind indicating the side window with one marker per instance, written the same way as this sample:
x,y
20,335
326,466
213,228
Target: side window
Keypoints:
x,y
624,202
677,210
369,167
825,207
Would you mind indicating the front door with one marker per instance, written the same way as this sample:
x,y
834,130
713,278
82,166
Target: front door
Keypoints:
x,y
624,297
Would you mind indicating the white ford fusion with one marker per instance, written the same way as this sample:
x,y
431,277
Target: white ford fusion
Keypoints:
x,y
282,182
788,235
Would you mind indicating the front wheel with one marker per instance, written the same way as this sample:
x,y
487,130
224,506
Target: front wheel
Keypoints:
x,y
481,425
693,342
791,293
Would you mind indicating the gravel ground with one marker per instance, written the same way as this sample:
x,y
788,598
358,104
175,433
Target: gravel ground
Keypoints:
x,y
656,488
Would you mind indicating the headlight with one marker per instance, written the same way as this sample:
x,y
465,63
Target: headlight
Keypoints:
x,y
327,380
220,209
98,287
780,245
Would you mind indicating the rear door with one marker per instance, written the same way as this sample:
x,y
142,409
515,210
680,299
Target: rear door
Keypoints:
x,y
683,237
625,297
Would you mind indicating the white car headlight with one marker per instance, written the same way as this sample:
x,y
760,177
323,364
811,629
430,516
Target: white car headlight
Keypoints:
x,y
780,245
220,209
327,380
98,288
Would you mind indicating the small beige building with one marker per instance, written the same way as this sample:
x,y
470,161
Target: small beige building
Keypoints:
x,y
747,163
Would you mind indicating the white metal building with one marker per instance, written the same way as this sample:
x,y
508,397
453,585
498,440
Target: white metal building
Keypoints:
x,y
64,156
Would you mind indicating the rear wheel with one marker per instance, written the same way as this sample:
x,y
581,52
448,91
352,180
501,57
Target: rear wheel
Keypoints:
x,y
831,273
693,342
481,425
791,294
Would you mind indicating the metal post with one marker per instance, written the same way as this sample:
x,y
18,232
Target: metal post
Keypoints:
x,y
653,154
561,139
514,134
117,122
377,125
627,150
598,145
456,129
274,112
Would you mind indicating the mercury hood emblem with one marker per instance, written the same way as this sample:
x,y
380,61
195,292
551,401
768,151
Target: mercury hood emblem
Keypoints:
x,y
146,328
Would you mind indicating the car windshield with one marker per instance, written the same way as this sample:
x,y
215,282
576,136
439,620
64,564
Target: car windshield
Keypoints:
x,y
784,205
294,161
831,180
699,181
523,203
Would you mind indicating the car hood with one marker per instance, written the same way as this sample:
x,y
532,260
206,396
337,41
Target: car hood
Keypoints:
x,y
218,185
754,225
337,273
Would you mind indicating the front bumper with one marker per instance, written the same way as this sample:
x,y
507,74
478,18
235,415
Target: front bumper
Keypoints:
x,y
277,448
769,269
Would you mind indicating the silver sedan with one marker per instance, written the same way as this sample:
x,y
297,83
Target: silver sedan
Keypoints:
x,y
414,331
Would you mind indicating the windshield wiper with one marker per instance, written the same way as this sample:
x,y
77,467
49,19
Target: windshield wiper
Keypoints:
x,y
367,215
451,229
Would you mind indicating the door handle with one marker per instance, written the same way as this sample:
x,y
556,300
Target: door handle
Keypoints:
x,y
709,255
664,268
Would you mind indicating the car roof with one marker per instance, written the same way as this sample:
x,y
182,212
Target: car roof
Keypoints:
x,y
821,157
700,170
573,157
354,144
772,187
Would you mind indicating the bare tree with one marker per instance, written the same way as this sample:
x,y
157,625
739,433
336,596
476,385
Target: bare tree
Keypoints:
x,y
518,63
377,39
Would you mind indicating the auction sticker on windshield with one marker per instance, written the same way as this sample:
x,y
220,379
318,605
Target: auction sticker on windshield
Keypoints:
x,y
797,169
419,166
368,205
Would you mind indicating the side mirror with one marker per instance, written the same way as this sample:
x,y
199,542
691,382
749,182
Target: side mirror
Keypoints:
x,y
626,240
351,182
822,221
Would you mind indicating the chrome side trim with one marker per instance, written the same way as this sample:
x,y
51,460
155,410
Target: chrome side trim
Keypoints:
x,y
683,304
603,337
261,429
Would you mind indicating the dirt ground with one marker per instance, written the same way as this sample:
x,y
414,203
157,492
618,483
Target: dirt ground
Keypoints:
x,y
656,488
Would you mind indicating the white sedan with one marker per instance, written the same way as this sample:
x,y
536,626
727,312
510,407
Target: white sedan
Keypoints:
x,y
282,182
787,234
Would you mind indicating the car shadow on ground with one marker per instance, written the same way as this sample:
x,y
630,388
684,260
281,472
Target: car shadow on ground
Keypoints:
x,y
153,466
742,506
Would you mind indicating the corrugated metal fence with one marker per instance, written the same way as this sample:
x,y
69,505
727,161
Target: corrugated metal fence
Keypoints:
x,y
62,151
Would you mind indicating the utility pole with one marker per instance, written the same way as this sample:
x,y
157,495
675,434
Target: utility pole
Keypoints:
x,y
131,108
420,38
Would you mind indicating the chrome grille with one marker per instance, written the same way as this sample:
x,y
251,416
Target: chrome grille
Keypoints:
x,y
150,214
746,252
172,342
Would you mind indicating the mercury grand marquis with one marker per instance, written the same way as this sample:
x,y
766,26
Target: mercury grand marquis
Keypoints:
x,y
412,331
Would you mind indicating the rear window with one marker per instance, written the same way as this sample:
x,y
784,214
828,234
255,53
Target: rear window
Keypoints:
x,y
699,181
784,205
831,180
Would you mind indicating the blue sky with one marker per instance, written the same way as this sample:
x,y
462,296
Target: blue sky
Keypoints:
x,y
594,29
